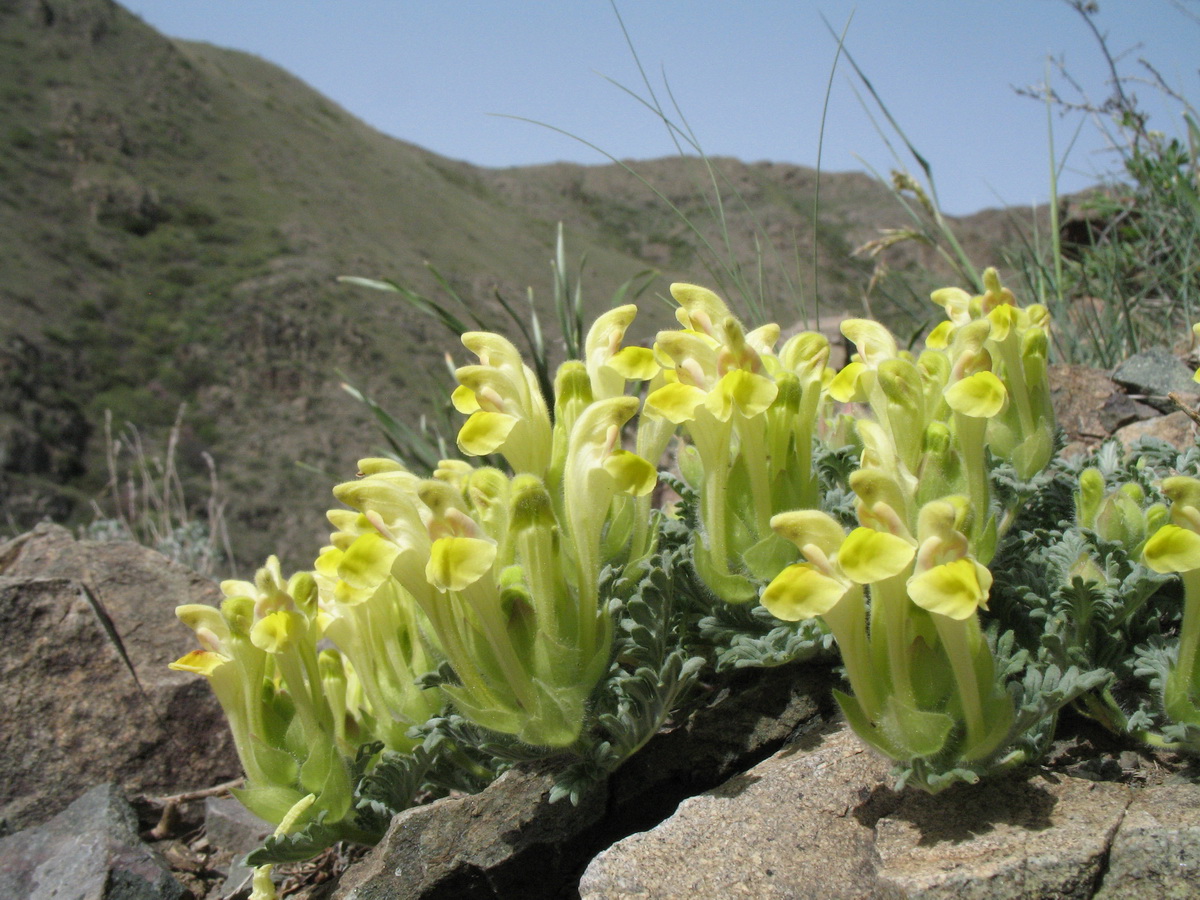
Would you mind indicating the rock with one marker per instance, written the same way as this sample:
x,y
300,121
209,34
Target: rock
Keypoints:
x,y
75,713
1079,394
1121,409
230,826
1176,429
1155,373
505,841
1156,852
785,828
509,841
1011,837
90,851
818,820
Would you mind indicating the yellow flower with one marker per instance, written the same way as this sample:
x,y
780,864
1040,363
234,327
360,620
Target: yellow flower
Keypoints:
x,y
946,579
609,365
507,412
836,563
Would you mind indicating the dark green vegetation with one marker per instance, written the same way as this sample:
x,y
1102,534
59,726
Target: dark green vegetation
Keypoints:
x,y
173,217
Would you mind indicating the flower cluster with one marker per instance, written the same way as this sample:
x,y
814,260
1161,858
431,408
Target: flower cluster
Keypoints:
x,y
749,415
922,674
484,589
493,574
289,705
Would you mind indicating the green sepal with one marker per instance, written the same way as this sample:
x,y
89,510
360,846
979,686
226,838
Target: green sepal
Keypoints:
x,y
492,717
769,557
729,586
278,765
919,733
867,730
999,714
1178,702
269,802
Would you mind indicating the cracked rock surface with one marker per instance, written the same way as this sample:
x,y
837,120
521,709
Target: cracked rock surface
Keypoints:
x,y
819,819
86,631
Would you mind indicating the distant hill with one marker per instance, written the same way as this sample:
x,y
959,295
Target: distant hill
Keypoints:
x,y
173,217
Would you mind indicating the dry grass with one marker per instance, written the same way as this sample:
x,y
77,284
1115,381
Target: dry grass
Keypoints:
x,y
144,501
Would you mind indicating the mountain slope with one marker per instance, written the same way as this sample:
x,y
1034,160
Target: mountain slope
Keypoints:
x,y
173,217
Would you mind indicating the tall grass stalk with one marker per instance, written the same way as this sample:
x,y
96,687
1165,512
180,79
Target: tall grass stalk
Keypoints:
x,y
726,271
144,500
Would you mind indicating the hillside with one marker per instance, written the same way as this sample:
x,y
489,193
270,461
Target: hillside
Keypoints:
x,y
173,217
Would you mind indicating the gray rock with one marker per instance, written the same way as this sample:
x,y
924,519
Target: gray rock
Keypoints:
x,y
1155,373
1008,838
230,826
789,827
79,708
1078,394
821,821
1121,409
1156,853
90,851
505,841
1176,429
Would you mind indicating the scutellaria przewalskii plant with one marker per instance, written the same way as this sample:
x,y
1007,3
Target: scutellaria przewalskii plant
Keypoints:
x,y
908,509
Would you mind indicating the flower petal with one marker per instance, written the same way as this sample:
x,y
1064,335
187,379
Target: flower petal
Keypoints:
x,y
872,340
801,592
367,562
1004,318
1173,549
634,363
202,662
675,402
980,396
456,563
633,474
846,386
955,589
278,631
939,338
867,555
701,309
956,302
464,400
485,432
810,526
744,391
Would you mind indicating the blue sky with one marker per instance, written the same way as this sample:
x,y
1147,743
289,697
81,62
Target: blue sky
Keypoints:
x,y
749,75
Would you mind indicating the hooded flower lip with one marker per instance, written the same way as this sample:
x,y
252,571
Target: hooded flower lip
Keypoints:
x,y
875,346
873,341
609,365
700,309
946,579
957,304
980,396
506,410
